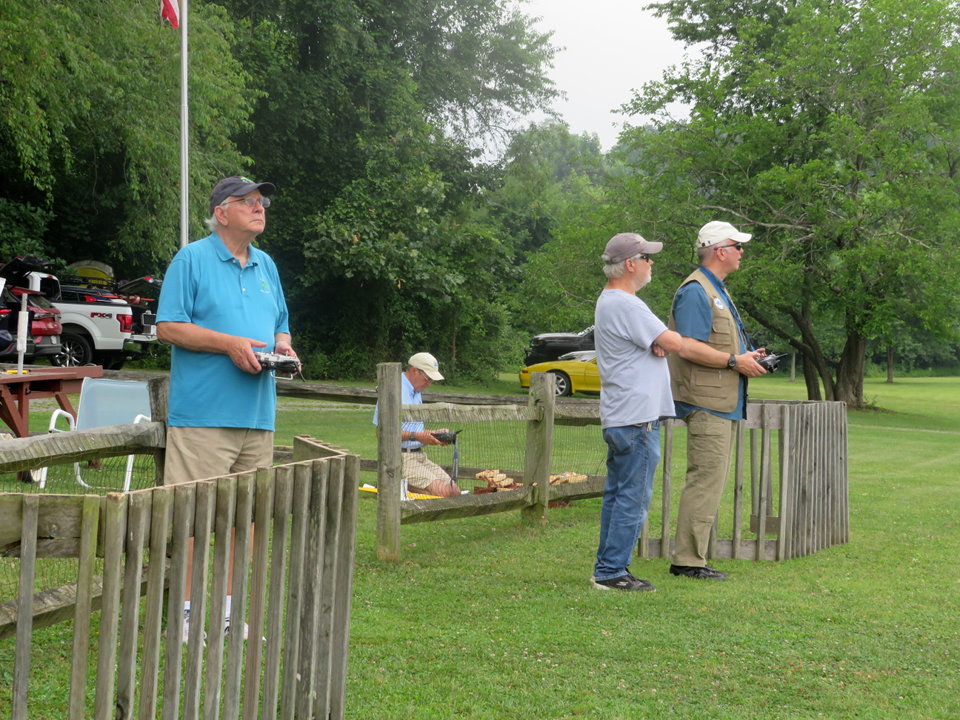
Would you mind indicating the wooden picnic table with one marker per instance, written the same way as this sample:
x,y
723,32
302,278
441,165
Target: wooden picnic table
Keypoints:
x,y
36,382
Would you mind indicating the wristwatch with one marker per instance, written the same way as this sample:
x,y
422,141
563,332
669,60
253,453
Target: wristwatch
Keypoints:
x,y
732,362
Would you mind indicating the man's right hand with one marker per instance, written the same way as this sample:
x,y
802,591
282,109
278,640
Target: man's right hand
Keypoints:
x,y
240,350
747,364
426,438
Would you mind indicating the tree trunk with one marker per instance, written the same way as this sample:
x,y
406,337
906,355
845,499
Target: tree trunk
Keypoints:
x,y
812,379
850,374
889,363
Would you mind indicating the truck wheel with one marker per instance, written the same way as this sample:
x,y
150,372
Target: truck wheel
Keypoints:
x,y
74,350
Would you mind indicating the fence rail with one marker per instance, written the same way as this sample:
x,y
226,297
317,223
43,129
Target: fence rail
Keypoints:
x,y
789,474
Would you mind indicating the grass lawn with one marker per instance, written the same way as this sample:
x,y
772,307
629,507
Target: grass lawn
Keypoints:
x,y
492,618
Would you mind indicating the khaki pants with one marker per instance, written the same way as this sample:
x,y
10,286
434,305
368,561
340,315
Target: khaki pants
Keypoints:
x,y
195,453
709,444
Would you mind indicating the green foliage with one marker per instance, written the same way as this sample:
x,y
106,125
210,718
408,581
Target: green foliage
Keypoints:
x,y
840,161
90,124
364,124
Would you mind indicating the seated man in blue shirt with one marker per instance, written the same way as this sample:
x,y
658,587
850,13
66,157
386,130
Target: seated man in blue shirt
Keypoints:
x,y
420,472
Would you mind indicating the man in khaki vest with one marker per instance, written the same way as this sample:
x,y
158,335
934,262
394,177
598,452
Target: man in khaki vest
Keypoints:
x,y
709,383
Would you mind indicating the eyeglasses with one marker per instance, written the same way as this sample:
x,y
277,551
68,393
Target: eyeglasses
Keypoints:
x,y
640,257
250,201
735,246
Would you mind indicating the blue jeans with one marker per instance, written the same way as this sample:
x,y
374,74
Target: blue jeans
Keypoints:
x,y
633,452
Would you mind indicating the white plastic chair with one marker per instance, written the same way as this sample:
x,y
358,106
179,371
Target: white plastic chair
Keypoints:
x,y
103,403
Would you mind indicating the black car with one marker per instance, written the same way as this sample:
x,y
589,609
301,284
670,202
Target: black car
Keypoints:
x,y
550,346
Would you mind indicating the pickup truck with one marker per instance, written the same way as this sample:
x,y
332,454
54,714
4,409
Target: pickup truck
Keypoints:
x,y
99,326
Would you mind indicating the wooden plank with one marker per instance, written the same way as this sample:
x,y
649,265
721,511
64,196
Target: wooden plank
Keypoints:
x,y
785,536
138,518
666,491
589,488
115,527
84,606
223,524
343,594
738,489
282,508
389,462
539,449
240,548
328,587
30,512
298,568
449,413
262,511
205,505
724,549
61,516
55,448
306,667
184,498
763,483
465,505
161,518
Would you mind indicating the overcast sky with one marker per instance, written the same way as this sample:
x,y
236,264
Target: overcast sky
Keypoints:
x,y
608,48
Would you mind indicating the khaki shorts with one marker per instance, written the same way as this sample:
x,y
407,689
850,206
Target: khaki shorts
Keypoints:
x,y
420,471
196,453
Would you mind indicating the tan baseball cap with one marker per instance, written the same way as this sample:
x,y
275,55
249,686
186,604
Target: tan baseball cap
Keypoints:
x,y
625,245
426,362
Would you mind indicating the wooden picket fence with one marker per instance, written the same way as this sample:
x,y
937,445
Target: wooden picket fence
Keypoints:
x,y
795,454
293,591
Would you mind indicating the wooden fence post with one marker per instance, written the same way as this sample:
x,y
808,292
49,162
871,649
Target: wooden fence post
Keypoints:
x,y
388,461
536,470
159,389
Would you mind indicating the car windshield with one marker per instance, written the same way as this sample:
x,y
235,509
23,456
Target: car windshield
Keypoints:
x,y
40,301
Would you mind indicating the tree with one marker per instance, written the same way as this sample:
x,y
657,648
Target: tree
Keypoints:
x,y
89,127
842,162
367,121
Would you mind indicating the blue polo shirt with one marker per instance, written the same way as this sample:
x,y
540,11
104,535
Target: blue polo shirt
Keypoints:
x,y
693,318
206,286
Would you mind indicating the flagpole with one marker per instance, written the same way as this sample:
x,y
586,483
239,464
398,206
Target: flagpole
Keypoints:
x,y
184,131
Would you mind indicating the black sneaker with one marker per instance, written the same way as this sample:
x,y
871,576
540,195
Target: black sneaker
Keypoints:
x,y
700,573
624,582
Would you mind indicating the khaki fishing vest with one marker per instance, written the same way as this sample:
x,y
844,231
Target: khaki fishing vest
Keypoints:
x,y
715,389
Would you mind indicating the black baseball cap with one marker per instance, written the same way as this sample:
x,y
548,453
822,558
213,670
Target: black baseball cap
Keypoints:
x,y
239,186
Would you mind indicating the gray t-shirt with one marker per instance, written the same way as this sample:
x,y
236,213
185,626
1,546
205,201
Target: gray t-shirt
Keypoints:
x,y
634,383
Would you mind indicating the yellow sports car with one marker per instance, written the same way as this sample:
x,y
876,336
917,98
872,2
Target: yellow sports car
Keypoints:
x,y
575,372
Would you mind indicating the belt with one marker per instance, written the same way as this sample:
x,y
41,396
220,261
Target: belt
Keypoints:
x,y
411,449
648,426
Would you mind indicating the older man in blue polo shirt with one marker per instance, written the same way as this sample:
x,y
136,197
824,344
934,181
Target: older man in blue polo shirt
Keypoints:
x,y
221,301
